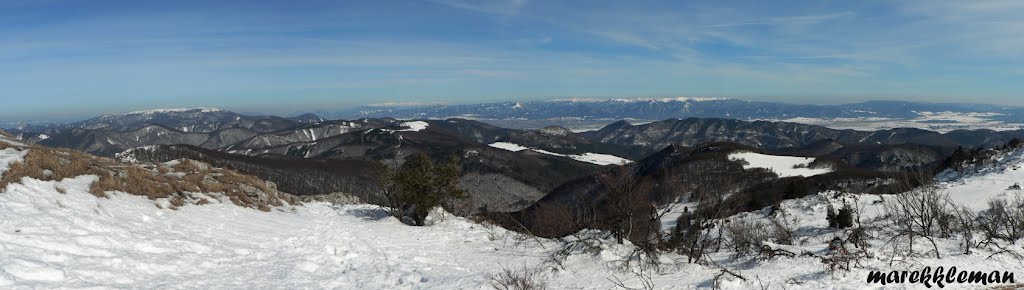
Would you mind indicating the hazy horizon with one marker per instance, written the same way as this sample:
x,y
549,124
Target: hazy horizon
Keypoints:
x,y
72,60
291,113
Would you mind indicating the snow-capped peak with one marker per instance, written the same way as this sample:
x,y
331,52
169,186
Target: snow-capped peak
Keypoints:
x,y
173,110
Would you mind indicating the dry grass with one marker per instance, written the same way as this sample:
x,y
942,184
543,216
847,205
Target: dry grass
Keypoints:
x,y
135,180
5,134
509,279
49,164
57,164
5,145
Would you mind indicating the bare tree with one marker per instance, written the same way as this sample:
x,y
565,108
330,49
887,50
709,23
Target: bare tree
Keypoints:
x,y
924,213
632,211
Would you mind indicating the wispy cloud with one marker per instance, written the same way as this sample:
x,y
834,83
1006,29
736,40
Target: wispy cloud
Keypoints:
x,y
500,7
801,20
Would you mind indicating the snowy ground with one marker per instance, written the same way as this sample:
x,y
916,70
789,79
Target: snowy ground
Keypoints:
x,y
75,240
784,166
50,239
8,156
974,188
594,158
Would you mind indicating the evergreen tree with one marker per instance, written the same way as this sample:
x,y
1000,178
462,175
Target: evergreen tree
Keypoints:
x,y
420,185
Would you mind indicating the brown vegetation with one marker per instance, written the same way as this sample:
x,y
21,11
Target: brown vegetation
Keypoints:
x,y
509,279
149,180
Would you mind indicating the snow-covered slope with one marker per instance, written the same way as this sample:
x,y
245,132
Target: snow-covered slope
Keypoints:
x,y
57,235
976,186
784,166
73,239
594,158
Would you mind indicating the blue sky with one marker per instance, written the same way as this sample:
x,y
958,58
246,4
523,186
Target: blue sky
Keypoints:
x,y
81,58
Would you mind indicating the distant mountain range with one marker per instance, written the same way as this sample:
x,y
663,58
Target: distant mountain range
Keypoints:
x,y
311,136
593,113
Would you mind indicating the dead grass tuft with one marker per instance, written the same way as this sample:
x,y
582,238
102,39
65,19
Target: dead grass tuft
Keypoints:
x,y
57,164
49,164
5,145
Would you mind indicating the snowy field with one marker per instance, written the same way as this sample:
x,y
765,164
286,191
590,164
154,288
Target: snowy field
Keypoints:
x,y
784,166
593,158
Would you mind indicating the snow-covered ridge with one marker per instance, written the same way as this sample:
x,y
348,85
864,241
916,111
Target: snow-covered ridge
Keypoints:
x,y
593,158
784,166
401,104
631,100
174,110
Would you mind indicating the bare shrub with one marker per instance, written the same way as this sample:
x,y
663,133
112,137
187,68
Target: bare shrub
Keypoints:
x,y
177,202
782,233
1003,220
525,279
924,213
747,237
699,231
966,221
844,253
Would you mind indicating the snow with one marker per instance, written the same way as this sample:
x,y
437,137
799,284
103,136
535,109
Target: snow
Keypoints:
x,y
173,110
593,158
42,137
975,188
599,159
50,239
784,166
10,155
414,126
75,240
11,141
508,146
